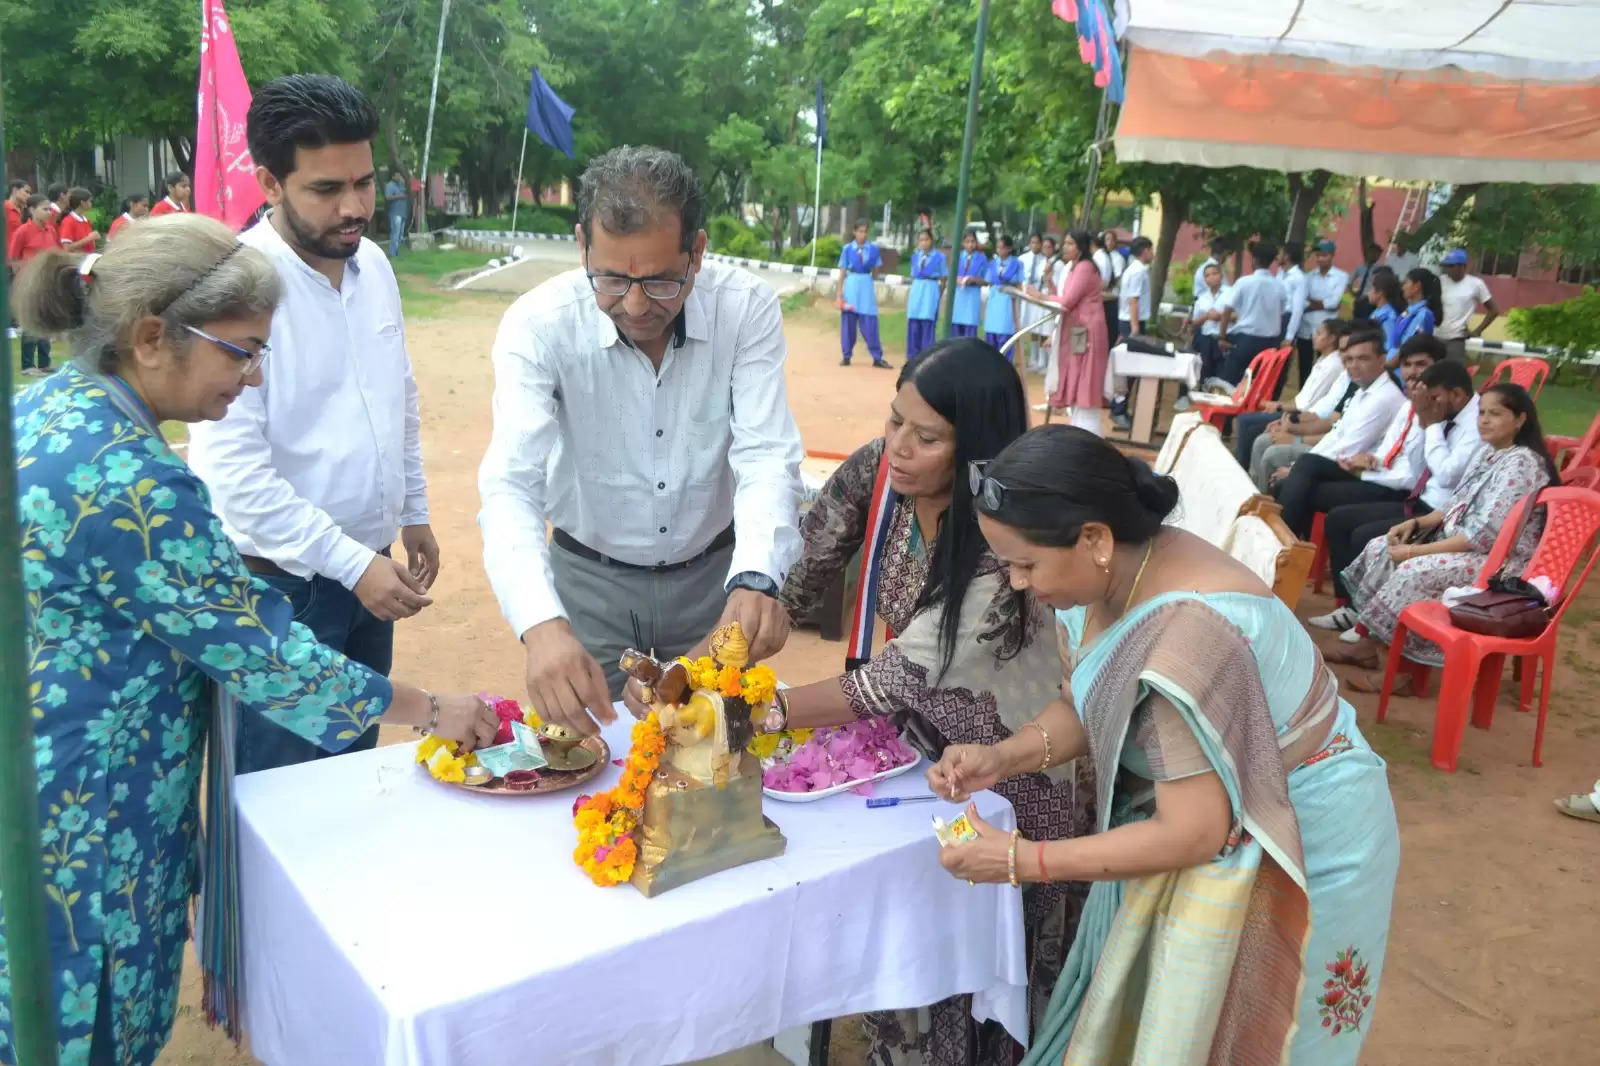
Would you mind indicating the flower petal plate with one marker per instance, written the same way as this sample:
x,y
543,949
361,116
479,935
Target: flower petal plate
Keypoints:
x,y
824,793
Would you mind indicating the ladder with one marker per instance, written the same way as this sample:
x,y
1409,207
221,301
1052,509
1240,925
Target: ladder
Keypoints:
x,y
1411,214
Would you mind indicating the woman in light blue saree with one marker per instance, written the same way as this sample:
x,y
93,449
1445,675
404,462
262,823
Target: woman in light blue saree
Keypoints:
x,y
1245,862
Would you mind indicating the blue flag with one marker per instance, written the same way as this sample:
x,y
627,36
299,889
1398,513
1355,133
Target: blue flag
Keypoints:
x,y
549,117
822,120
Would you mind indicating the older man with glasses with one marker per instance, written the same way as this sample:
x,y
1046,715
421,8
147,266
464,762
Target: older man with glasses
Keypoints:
x,y
640,414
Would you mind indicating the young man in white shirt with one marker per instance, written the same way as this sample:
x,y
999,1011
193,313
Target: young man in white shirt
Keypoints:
x,y
1135,305
1254,319
640,411
1461,293
1219,251
316,473
1441,445
1293,281
1325,286
1279,433
1358,431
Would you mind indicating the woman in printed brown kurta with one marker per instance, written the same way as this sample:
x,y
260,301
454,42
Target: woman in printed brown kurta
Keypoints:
x,y
971,673
1399,569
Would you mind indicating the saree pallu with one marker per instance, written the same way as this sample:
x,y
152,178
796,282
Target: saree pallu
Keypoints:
x,y
1271,953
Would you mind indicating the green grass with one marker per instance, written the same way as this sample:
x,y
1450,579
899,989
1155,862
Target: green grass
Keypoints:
x,y
420,274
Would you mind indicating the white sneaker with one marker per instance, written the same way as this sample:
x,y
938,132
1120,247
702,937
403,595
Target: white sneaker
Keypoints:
x,y
1340,618
1350,636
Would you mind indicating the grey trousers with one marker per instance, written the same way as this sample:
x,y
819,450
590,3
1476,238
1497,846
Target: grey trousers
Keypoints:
x,y
1265,457
1456,349
676,609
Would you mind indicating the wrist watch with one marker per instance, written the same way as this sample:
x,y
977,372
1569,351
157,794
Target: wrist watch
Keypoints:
x,y
755,581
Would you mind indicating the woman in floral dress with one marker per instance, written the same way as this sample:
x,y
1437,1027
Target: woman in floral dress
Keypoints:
x,y
970,660
139,607
1421,557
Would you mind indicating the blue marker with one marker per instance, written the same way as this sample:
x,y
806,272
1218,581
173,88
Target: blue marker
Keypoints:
x,y
895,801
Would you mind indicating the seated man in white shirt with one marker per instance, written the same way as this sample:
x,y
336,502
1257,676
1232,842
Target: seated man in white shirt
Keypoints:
x,y
640,411
1441,446
1358,432
1317,397
1254,319
315,473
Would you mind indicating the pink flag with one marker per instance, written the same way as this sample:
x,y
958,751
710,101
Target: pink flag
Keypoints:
x,y
224,174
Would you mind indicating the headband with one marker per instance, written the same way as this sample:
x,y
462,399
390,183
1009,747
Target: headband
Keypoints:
x,y
197,282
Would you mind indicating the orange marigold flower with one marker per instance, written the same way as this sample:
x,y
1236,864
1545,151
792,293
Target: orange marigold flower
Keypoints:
x,y
728,681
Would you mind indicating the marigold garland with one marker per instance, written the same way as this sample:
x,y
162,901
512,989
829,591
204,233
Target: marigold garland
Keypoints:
x,y
606,851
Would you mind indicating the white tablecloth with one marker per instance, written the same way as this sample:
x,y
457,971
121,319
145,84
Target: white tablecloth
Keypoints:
x,y
1179,366
392,920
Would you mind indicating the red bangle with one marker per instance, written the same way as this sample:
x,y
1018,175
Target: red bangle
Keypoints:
x,y
1044,878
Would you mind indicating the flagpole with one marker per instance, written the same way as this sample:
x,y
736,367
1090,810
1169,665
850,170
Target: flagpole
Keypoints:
x,y
516,192
427,137
816,206
966,160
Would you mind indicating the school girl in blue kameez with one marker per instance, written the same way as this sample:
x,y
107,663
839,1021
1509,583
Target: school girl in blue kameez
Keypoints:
x,y
971,267
999,315
141,617
928,273
859,264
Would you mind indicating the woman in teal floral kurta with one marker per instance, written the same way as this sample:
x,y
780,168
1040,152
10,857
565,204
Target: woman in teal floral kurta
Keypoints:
x,y
137,602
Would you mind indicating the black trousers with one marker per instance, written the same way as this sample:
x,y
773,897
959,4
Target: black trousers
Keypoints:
x,y
1349,528
1317,484
1246,346
1305,357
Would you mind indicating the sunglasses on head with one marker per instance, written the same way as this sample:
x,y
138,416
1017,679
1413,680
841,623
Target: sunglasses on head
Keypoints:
x,y
985,489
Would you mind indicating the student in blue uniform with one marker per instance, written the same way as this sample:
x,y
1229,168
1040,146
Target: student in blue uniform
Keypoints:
x,y
928,271
999,315
859,264
970,271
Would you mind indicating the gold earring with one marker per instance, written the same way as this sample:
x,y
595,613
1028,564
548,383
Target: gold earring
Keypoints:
x,y
1105,564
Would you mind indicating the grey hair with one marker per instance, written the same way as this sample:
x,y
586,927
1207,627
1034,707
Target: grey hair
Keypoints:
x,y
634,186
186,269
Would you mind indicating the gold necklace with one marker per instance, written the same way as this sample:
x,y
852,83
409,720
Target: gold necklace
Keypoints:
x,y
1088,616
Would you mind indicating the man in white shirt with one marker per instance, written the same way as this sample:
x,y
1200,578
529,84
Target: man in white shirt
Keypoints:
x,y
1461,293
1325,287
639,411
1254,319
1032,262
1219,252
1442,447
315,473
1135,306
1280,433
1358,431
1111,263
1293,281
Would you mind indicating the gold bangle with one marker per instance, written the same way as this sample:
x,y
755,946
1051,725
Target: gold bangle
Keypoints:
x,y
1011,859
1046,764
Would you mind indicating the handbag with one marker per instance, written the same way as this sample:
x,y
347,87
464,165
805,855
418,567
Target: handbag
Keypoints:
x,y
1078,340
1509,608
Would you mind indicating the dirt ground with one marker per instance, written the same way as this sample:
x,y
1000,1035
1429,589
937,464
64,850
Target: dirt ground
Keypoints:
x,y
1494,942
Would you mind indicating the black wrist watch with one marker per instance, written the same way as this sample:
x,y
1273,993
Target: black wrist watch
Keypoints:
x,y
755,581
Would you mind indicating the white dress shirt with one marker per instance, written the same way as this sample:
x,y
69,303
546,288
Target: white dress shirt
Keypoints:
x,y
643,467
1459,300
1328,402
1324,372
1294,300
1403,471
1329,288
1135,283
1256,301
319,468
1206,301
1365,418
1452,448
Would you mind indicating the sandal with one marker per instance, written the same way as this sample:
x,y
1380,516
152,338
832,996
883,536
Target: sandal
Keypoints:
x,y
1372,684
1579,806
1357,655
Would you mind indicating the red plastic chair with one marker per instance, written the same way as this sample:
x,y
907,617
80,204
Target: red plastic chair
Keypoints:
x,y
1319,554
1582,477
1472,661
1575,451
1525,370
1265,370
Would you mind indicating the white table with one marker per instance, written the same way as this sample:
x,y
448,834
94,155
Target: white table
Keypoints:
x,y
391,920
1151,371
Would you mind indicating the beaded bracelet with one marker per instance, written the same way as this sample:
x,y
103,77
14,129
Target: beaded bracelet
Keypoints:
x,y
1046,764
1011,859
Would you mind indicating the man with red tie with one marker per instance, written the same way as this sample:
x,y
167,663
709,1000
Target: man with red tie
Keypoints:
x,y
177,198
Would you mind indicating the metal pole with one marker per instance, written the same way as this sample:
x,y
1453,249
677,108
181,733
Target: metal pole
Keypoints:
x,y
967,138
33,1018
516,191
427,137
816,206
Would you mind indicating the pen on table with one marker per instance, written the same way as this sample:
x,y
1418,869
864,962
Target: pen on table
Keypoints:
x,y
895,801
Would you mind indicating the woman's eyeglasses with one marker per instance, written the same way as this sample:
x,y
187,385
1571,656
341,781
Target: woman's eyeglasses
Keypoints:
x,y
985,489
252,360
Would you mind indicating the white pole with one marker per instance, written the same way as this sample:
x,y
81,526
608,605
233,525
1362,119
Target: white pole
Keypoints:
x,y
427,137
816,207
516,192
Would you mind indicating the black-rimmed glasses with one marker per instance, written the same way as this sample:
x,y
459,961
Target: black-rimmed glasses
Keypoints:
x,y
659,289
252,360
986,490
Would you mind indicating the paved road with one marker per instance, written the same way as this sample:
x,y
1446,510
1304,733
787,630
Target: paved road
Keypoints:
x,y
546,259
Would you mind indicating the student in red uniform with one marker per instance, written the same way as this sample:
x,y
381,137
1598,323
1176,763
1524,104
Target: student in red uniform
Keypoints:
x,y
57,192
134,208
177,198
16,203
75,231
37,235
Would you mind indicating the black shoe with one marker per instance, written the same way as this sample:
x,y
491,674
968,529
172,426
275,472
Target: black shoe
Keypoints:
x,y
882,364
844,362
